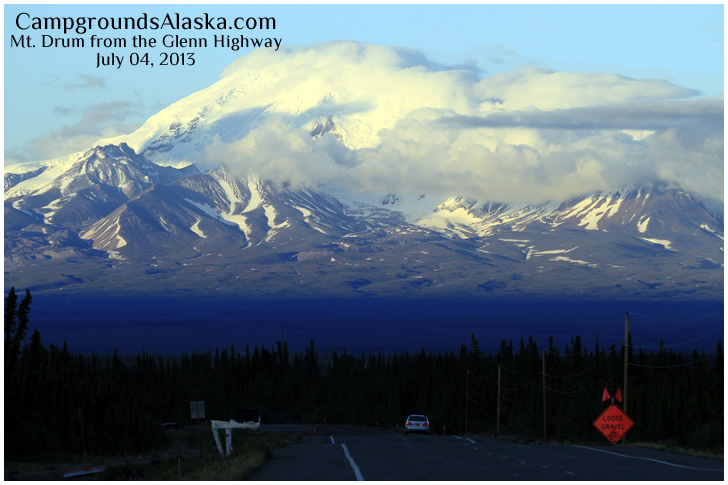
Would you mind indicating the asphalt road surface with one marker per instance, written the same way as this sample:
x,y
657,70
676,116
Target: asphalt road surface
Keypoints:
x,y
351,453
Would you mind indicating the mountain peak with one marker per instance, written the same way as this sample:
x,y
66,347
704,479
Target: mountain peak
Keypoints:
x,y
111,151
352,90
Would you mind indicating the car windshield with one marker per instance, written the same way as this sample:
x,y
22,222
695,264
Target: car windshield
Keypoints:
x,y
417,418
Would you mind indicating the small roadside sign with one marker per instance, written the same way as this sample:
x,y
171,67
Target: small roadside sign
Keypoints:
x,y
197,409
613,423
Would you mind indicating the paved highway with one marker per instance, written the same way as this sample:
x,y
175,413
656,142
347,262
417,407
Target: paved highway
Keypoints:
x,y
351,453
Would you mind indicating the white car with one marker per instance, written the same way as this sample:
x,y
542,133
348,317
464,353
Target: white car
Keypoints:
x,y
417,423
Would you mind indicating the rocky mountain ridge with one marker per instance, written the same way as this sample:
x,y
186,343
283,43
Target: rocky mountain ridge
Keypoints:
x,y
113,208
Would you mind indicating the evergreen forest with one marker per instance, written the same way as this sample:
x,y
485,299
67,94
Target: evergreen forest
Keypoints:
x,y
674,398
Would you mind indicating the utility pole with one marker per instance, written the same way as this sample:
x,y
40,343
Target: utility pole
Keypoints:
x,y
626,367
497,427
543,358
467,378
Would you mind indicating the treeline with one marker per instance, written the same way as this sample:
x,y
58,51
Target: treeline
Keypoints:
x,y
673,397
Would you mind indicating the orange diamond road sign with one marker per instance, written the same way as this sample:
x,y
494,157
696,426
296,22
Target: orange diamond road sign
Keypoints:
x,y
613,423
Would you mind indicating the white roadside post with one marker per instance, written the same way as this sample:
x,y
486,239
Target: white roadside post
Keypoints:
x,y
228,426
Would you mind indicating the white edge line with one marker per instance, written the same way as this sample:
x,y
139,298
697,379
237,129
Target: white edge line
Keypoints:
x,y
473,442
332,440
456,436
649,459
357,472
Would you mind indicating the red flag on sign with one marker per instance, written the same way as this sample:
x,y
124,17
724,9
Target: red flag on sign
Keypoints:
x,y
618,396
605,395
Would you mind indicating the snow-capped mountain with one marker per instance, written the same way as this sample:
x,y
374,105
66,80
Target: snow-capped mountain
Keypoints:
x,y
117,212
219,210
98,182
182,202
312,92
625,210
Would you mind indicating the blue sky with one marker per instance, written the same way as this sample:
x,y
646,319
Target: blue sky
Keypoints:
x,y
56,99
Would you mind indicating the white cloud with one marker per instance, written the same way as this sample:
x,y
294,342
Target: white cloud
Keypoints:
x,y
280,153
88,82
405,123
101,120
547,90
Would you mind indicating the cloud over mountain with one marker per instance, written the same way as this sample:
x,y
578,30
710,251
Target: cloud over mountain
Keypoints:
x,y
388,119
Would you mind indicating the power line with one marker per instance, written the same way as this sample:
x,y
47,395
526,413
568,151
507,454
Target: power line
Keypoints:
x,y
514,390
606,356
564,392
471,389
669,314
471,373
672,366
682,342
522,370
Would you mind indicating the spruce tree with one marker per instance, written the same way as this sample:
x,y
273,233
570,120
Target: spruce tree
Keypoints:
x,y
16,326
